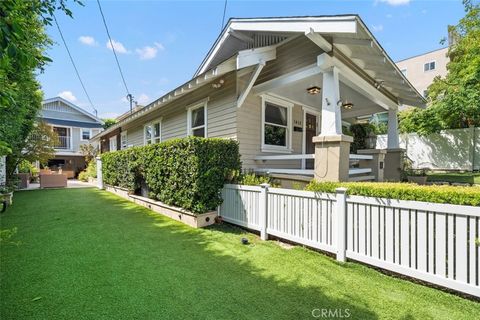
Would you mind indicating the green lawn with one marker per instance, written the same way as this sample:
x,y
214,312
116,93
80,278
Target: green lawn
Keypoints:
x,y
87,254
467,177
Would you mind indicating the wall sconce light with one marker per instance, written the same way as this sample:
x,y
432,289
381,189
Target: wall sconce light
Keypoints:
x,y
378,84
314,90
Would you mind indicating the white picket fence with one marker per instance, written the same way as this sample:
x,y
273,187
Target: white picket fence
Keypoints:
x,y
432,242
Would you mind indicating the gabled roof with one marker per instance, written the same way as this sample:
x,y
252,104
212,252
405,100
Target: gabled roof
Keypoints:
x,y
347,34
73,106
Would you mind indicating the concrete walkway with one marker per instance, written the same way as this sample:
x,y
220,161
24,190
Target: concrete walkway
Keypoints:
x,y
71,183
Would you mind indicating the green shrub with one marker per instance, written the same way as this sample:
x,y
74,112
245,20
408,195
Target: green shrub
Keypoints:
x,y
404,191
82,176
252,179
187,173
121,168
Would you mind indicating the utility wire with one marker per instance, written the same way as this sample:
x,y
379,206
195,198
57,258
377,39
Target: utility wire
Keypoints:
x,y
223,18
73,63
113,49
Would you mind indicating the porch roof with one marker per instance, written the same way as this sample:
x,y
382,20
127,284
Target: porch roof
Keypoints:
x,y
347,35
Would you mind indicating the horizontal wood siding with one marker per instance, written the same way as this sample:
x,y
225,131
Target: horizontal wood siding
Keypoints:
x,y
221,114
297,53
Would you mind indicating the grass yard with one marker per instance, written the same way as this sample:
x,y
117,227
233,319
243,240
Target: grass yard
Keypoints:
x,y
87,254
467,177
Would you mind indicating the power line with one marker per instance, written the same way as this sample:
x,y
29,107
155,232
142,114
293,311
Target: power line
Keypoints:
x,y
224,11
113,49
73,63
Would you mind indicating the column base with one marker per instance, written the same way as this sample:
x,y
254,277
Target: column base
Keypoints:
x,y
332,153
393,164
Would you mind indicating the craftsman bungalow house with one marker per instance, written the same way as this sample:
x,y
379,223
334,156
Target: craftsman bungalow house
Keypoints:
x,y
284,88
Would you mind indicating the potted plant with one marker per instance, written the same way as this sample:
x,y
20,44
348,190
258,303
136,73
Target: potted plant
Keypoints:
x,y
418,176
24,174
6,194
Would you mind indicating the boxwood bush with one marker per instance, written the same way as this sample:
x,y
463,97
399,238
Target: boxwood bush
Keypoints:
x,y
404,191
187,173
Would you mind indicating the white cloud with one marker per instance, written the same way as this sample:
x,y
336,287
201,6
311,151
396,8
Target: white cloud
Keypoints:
x,y
149,52
377,28
143,99
119,47
87,40
395,2
67,95
389,16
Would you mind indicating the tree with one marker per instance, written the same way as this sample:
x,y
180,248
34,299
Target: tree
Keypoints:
x,y
89,151
39,146
455,99
107,123
23,42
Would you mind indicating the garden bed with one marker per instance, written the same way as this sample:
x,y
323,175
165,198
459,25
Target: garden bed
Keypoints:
x,y
176,213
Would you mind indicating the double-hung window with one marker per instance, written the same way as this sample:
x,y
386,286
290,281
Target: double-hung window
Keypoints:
x,y
123,140
276,125
197,120
153,132
429,66
85,134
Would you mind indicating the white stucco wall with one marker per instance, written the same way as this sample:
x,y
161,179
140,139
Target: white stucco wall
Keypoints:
x,y
457,149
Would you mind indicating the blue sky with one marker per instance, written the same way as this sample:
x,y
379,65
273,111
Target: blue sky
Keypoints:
x,y
161,43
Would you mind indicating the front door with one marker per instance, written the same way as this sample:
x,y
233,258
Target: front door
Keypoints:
x,y
310,132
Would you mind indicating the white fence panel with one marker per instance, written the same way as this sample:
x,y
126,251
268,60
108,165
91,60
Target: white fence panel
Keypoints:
x,y
302,216
241,205
429,241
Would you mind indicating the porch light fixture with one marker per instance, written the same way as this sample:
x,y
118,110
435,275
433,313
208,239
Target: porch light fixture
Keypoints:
x,y
345,104
314,90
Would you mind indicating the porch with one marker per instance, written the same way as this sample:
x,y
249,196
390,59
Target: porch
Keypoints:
x,y
304,116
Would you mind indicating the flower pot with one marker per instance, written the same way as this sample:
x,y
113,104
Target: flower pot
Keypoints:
x,y
417,179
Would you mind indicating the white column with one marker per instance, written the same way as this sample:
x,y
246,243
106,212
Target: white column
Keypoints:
x,y
99,173
331,113
392,142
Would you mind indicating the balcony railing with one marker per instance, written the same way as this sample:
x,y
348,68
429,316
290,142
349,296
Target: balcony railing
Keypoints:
x,y
63,142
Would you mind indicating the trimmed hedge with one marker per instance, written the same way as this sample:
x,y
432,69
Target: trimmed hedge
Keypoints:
x,y
469,196
187,173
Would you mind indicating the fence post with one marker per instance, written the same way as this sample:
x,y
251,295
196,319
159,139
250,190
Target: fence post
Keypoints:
x,y
263,210
341,212
99,173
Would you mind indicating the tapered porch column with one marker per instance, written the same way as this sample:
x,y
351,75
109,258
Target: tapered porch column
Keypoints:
x,y
394,155
332,148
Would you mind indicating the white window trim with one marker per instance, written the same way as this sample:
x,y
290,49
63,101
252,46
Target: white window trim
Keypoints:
x,y
152,138
81,134
123,137
281,103
193,107
435,61
114,138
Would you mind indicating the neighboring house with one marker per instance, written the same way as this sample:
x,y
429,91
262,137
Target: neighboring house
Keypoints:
x,y
420,70
274,84
74,127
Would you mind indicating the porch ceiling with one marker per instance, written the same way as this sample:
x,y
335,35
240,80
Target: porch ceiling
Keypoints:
x,y
297,92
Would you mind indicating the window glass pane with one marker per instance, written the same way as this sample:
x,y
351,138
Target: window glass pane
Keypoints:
x,y
148,132
85,134
200,132
275,136
198,117
432,65
156,140
275,114
156,129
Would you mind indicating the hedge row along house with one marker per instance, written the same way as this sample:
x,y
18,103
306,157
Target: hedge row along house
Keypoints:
x,y
284,88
